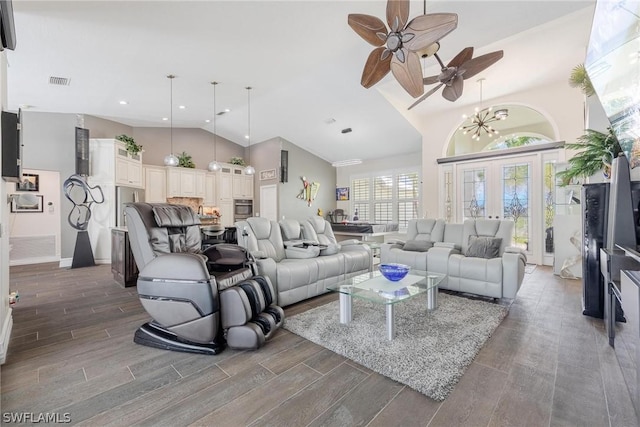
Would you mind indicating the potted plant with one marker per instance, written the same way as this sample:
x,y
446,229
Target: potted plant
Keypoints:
x,y
130,144
580,79
237,161
597,152
185,161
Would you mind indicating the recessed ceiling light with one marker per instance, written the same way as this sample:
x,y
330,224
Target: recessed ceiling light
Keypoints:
x,y
208,121
182,107
164,119
227,110
246,137
123,102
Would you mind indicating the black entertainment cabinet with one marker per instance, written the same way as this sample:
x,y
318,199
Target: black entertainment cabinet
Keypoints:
x,y
595,211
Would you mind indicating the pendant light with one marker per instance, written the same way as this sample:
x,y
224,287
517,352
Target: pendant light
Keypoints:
x,y
249,170
214,166
171,159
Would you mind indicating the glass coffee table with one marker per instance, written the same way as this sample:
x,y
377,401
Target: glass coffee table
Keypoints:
x,y
374,287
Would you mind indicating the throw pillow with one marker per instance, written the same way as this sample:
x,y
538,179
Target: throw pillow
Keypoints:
x,y
484,247
417,245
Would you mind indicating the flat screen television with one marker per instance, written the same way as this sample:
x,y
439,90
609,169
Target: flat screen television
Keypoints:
x,y
7,26
11,147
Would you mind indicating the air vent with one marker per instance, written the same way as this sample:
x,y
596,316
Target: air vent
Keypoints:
x,y
60,81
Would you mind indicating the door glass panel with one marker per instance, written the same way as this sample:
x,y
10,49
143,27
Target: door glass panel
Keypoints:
x,y
474,188
515,201
548,193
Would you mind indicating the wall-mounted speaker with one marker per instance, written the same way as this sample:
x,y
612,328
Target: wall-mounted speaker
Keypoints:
x,y
284,166
82,151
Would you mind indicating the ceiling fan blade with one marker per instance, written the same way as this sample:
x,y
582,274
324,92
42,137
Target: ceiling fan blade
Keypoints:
x,y
453,92
425,96
397,9
368,27
429,28
430,80
375,68
463,56
475,65
408,73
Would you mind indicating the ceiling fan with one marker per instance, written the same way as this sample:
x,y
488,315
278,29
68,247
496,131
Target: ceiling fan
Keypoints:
x,y
396,49
460,68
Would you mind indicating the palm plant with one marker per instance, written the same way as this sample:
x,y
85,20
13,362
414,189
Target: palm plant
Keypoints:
x,y
597,152
580,79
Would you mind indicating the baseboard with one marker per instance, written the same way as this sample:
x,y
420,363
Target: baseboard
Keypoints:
x,y
5,335
40,260
66,262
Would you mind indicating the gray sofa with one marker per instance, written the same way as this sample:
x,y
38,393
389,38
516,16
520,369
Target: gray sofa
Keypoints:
x,y
475,255
296,275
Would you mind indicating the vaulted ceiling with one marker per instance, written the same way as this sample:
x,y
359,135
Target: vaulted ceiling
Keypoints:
x,y
301,58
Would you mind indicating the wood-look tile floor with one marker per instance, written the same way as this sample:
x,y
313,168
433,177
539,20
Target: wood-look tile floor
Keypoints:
x,y
71,352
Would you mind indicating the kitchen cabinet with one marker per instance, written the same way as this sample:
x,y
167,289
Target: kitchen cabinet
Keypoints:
x,y
225,184
128,167
242,184
226,212
185,182
209,189
155,184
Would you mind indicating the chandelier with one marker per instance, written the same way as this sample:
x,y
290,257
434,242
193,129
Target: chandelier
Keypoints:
x,y
481,119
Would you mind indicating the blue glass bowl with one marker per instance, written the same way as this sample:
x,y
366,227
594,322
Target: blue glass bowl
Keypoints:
x,y
394,272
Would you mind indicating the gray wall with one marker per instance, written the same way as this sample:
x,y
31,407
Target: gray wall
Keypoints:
x,y
264,156
103,128
315,169
49,144
198,143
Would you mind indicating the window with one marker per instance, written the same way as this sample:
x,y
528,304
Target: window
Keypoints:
x,y
387,197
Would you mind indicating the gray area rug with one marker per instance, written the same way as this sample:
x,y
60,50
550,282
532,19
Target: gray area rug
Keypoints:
x,y
431,350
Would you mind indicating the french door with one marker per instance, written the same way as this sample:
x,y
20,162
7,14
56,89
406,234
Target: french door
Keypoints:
x,y
513,187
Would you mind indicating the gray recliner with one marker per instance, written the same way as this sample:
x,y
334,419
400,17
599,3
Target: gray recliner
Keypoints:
x,y
193,305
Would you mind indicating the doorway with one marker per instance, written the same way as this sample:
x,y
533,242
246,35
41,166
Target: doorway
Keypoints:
x,y
269,202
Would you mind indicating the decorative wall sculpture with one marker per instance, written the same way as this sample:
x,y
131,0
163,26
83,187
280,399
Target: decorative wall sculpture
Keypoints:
x,y
309,190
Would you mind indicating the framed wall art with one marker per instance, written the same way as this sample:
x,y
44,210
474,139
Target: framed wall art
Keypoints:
x,y
26,203
342,193
29,182
268,174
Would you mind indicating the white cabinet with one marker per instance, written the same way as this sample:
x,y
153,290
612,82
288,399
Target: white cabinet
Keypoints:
x,y
242,186
210,189
226,212
225,184
128,167
155,184
185,182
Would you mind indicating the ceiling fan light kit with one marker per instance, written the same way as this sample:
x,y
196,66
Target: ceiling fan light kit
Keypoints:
x,y
397,47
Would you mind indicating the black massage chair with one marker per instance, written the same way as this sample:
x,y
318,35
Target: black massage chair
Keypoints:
x,y
199,300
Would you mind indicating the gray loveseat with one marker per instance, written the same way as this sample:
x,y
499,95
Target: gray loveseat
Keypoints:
x,y
297,275
475,255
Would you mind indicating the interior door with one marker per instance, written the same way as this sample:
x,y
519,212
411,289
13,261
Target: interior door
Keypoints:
x,y
269,202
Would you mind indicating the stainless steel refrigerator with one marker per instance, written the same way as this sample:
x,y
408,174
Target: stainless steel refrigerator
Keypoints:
x,y
126,195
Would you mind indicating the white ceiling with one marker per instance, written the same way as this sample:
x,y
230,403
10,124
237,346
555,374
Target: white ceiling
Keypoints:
x,y
301,58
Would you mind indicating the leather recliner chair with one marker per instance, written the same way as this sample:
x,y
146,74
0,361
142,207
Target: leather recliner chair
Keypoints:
x,y
192,310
